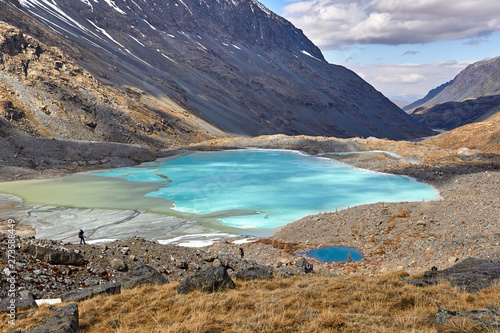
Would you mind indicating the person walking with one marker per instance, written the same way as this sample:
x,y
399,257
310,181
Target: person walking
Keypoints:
x,y
81,234
242,253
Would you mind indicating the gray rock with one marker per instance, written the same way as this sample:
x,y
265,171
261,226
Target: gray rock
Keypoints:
x,y
181,263
141,274
64,320
53,256
125,250
485,318
471,275
24,300
211,279
91,292
119,265
91,282
287,272
257,272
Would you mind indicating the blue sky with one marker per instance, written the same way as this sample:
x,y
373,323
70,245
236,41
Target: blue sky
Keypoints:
x,y
403,48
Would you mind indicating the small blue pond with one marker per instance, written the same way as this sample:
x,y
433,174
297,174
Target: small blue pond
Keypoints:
x,y
335,254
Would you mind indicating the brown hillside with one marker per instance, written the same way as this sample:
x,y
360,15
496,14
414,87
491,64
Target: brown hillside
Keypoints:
x,y
45,93
300,304
484,135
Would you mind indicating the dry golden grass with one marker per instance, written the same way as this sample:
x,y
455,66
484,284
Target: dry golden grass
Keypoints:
x,y
317,304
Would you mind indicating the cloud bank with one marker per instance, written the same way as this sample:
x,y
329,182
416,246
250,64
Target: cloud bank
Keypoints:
x,y
409,79
336,24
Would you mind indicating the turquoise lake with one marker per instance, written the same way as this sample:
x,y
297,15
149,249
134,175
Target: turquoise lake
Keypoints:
x,y
266,189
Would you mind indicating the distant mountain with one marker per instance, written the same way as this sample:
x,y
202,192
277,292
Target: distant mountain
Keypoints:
x,y
476,80
472,95
231,63
430,95
451,115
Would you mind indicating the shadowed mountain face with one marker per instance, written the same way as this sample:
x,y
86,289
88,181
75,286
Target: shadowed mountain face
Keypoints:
x,y
479,79
232,63
473,95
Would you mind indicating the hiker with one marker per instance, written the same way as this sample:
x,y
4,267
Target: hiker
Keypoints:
x,y
241,252
82,236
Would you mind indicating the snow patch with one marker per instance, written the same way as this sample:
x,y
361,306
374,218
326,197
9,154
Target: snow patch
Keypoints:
x,y
189,10
87,2
112,4
136,40
49,301
149,25
169,58
310,55
105,33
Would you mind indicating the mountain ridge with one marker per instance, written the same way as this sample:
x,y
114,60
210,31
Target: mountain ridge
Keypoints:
x,y
264,77
479,79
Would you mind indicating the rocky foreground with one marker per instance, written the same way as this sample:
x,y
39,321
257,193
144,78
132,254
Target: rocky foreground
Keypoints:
x,y
48,269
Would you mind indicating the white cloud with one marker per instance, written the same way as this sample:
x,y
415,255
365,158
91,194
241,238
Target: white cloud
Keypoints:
x,y
333,24
409,79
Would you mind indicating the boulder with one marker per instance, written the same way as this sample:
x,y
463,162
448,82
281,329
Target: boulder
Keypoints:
x,y
24,300
119,265
91,292
211,279
53,256
64,320
257,272
487,319
181,263
141,274
286,272
471,275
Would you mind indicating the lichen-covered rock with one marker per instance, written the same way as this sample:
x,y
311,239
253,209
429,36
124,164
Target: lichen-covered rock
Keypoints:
x,y
119,265
211,279
52,255
257,272
484,318
141,274
24,300
91,292
64,320
471,275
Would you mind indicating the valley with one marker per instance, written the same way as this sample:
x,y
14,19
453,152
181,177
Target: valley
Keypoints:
x,y
91,86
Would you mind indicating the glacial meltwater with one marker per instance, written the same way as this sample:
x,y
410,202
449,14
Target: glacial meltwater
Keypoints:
x,y
335,254
246,192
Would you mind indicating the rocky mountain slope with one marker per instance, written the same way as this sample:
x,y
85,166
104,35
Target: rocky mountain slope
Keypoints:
x,y
477,80
46,94
473,95
451,115
430,95
234,64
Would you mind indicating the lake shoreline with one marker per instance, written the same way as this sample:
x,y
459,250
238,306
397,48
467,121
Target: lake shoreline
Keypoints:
x,y
434,166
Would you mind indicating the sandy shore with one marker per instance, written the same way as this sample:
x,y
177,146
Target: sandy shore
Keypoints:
x,y
392,236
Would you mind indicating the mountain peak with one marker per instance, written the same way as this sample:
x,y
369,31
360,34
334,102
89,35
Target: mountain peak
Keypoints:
x,y
233,63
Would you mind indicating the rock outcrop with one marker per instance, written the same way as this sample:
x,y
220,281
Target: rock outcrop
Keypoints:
x,y
485,319
141,274
213,279
25,300
91,292
53,256
255,272
471,275
64,320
